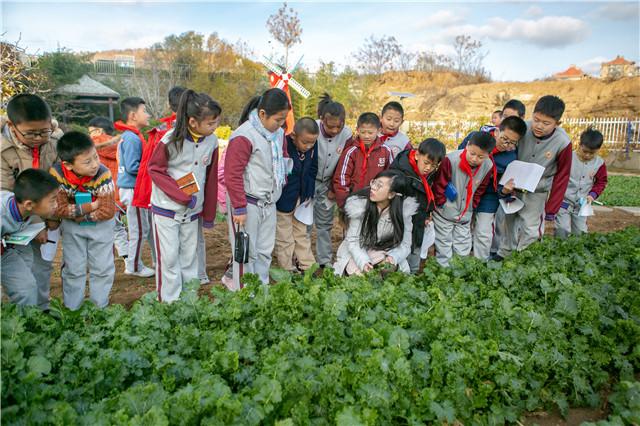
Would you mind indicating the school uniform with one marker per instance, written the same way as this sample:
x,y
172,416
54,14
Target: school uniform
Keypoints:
x,y
17,277
176,214
488,224
357,166
88,243
130,152
397,142
329,152
419,187
291,234
553,152
351,251
254,178
452,217
17,157
586,178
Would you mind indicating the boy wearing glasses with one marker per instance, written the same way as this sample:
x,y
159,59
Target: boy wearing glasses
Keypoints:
x,y
487,225
28,140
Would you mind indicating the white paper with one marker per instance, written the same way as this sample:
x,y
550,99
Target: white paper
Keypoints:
x,y
511,206
24,237
525,175
304,213
428,240
586,210
48,250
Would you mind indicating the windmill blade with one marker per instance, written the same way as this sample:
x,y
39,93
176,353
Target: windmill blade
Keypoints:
x,y
296,65
271,66
298,88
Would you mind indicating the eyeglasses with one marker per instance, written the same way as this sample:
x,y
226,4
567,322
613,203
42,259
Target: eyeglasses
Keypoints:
x,y
506,140
41,134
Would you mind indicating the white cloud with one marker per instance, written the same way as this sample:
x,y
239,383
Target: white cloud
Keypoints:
x,y
549,31
534,11
619,11
443,18
592,66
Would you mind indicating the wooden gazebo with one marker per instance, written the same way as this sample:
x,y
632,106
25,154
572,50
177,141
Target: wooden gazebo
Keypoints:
x,y
89,91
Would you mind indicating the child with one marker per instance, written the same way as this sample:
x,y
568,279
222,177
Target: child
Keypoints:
x,y
29,141
130,150
363,160
189,148
496,117
587,181
513,107
101,132
419,167
255,171
333,138
462,179
291,234
486,225
391,119
87,225
548,145
379,226
34,194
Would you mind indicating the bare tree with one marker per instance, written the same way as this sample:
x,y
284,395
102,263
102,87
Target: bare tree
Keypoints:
x,y
378,55
433,62
154,82
285,27
469,55
407,61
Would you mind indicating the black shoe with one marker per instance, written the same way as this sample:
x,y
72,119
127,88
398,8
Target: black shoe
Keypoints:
x,y
496,258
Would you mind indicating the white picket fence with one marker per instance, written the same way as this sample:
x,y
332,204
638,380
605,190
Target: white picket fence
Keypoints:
x,y
618,132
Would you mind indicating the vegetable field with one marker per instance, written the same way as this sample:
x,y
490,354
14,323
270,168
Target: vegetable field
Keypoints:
x,y
622,191
556,326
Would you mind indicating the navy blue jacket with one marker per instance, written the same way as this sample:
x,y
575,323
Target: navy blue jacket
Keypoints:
x,y
301,183
489,201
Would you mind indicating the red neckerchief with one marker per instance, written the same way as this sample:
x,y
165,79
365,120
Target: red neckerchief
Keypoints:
x,y
75,180
119,125
169,121
466,168
384,137
366,155
35,154
414,166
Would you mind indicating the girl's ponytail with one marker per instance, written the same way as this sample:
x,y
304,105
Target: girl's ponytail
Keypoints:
x,y
250,106
181,127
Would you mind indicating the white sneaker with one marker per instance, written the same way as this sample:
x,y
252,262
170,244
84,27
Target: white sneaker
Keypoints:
x,y
204,280
144,272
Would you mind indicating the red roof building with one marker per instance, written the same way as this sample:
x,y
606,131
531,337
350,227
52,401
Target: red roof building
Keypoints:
x,y
571,73
618,68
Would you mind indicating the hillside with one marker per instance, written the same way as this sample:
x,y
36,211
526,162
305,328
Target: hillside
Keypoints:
x,y
444,95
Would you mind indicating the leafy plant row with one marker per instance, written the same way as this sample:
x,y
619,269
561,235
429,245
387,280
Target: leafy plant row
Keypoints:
x,y
553,327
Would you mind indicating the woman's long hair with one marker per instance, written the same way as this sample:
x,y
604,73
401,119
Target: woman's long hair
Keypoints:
x,y
369,230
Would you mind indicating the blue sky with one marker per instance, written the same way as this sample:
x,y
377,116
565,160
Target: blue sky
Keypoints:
x,y
524,40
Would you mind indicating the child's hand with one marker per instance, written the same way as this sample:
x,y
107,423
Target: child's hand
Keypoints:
x,y
508,187
239,219
589,199
42,237
368,267
331,195
390,260
94,205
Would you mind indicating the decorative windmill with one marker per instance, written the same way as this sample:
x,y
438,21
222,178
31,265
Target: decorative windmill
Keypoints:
x,y
282,79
